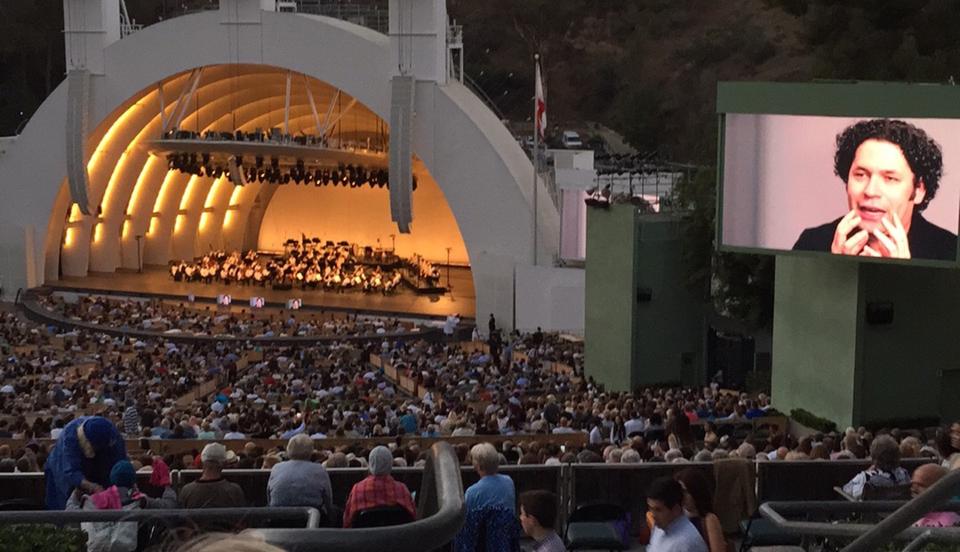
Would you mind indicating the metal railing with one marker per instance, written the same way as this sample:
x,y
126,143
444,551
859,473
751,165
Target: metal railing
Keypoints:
x,y
371,16
896,526
441,513
310,515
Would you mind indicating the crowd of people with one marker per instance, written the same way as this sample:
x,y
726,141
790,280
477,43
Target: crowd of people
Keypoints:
x,y
298,476
307,264
515,388
185,318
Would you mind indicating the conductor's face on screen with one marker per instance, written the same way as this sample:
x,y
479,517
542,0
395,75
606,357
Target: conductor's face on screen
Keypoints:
x,y
881,184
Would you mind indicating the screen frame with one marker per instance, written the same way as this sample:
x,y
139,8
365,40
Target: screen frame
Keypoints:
x,y
830,99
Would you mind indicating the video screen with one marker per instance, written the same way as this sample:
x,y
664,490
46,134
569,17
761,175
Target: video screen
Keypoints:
x,y
857,186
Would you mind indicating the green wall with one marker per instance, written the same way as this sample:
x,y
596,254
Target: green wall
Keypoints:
x,y
609,295
829,360
901,363
672,322
630,342
815,336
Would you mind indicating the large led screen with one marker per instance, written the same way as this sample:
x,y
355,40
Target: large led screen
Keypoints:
x,y
857,186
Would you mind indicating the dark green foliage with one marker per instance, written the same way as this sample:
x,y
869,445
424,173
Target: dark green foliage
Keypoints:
x,y
740,286
812,421
42,538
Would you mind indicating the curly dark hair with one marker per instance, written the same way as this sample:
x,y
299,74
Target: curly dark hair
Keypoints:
x,y
922,153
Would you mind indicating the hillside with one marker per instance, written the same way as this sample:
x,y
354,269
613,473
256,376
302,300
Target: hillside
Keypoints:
x,y
645,69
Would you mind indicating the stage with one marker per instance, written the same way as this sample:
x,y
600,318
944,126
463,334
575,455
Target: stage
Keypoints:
x,y
156,282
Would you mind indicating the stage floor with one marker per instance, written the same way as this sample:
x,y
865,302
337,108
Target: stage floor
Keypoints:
x,y
156,281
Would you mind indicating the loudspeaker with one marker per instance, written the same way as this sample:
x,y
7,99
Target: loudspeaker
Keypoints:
x,y
879,313
644,294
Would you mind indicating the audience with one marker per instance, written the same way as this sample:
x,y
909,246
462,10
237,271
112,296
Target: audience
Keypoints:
x,y
299,481
923,478
378,489
211,490
538,514
673,531
698,506
885,470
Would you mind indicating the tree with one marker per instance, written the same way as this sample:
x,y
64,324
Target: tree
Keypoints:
x,y
736,285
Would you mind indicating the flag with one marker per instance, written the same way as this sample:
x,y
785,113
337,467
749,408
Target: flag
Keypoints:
x,y
540,106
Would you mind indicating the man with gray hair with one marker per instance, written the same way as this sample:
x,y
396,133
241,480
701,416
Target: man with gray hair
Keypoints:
x,y
378,489
299,481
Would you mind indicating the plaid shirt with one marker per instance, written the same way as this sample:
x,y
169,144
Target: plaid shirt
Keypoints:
x,y
377,490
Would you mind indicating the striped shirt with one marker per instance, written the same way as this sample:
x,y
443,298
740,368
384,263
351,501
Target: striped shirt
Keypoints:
x,y
131,421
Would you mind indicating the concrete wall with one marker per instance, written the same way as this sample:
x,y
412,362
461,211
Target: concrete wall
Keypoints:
x,y
550,298
670,326
610,287
815,336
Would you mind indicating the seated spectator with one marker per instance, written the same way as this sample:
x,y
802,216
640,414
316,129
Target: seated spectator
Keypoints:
x,y
885,470
923,478
673,531
493,489
121,495
491,518
212,490
378,489
300,482
698,505
538,513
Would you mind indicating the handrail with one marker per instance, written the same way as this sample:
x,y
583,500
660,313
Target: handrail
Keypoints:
x,y
934,497
312,515
898,525
774,511
441,509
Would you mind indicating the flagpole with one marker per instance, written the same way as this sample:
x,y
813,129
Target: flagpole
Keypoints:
x,y
536,151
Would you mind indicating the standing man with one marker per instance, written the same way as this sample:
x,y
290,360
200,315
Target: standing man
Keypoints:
x,y
673,531
85,452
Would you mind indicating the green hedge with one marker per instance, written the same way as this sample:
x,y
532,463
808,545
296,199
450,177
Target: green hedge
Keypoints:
x,y
812,421
42,538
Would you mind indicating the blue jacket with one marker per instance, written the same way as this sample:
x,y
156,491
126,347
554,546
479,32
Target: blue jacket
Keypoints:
x,y
66,466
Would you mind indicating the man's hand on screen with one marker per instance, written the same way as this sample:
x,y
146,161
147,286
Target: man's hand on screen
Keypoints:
x,y
853,245
891,240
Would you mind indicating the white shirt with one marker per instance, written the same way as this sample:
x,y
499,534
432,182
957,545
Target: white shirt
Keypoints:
x,y
634,425
679,536
595,436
